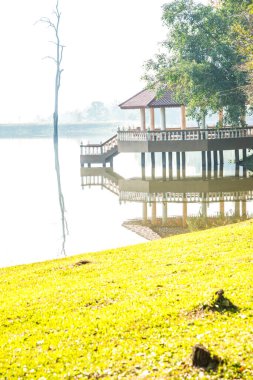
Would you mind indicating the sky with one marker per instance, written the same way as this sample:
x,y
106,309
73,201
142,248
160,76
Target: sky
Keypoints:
x,y
107,43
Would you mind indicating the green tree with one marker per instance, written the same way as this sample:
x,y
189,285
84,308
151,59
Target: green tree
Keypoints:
x,y
243,30
200,61
97,111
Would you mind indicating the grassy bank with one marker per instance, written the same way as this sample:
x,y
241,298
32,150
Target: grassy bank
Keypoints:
x,y
131,312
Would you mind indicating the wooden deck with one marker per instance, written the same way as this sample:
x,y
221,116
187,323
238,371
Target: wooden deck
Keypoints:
x,y
171,140
189,140
99,153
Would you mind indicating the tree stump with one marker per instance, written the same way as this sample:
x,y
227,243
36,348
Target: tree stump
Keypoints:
x,y
202,358
221,303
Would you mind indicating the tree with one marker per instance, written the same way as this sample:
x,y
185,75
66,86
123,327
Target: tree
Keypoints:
x,y
243,30
200,61
55,26
97,111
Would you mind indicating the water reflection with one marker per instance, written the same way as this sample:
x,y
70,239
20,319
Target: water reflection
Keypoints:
x,y
64,223
180,204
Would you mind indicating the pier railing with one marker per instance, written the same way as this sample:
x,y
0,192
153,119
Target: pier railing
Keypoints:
x,y
136,196
102,181
99,149
180,135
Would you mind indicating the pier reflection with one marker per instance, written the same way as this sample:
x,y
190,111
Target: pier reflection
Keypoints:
x,y
177,204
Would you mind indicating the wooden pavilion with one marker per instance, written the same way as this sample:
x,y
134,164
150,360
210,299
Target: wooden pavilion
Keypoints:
x,y
209,141
147,99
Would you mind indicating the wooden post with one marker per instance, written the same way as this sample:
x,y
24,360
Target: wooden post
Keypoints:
x,y
222,208
221,162
237,162
221,157
178,165
209,163
215,163
244,156
164,219
163,118
237,170
221,118
143,160
185,212
152,118
204,206
154,213
183,117
183,164
164,164
143,165
215,158
203,155
143,119
237,209
153,164
164,159
144,212
170,159
244,207
236,156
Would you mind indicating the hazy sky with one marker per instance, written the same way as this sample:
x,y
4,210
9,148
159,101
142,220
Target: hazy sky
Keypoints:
x,y
106,42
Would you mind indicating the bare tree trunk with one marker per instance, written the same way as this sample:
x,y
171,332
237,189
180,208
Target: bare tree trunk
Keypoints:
x,y
55,25
61,197
59,53
58,60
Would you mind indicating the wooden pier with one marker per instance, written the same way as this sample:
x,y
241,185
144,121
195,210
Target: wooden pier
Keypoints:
x,y
102,153
212,142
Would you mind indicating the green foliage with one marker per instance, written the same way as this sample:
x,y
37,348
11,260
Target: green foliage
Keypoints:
x,y
202,222
97,111
127,312
200,61
243,37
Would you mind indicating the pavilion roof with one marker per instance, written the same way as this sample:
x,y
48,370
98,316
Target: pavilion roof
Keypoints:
x,y
148,98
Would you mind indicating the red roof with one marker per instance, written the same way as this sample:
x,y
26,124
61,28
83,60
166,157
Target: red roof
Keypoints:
x,y
147,98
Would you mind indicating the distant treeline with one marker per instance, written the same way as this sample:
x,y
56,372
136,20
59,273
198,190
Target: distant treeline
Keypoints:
x,y
85,130
98,111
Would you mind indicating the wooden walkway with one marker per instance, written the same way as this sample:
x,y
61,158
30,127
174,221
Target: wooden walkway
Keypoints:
x,y
211,139
172,140
99,153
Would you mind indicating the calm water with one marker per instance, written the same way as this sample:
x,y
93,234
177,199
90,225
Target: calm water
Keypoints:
x,y
30,218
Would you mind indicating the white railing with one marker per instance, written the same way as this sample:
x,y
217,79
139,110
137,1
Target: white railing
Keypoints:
x,y
99,149
188,135
100,180
167,135
136,196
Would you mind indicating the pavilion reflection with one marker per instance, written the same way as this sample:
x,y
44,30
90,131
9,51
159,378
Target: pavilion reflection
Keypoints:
x,y
201,202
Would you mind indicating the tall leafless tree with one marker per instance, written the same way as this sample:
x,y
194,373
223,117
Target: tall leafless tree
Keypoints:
x,y
57,59
55,25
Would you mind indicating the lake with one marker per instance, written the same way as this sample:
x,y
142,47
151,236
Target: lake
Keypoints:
x,y
103,209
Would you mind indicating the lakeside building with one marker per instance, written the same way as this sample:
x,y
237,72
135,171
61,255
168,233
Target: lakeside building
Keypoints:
x,y
211,142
